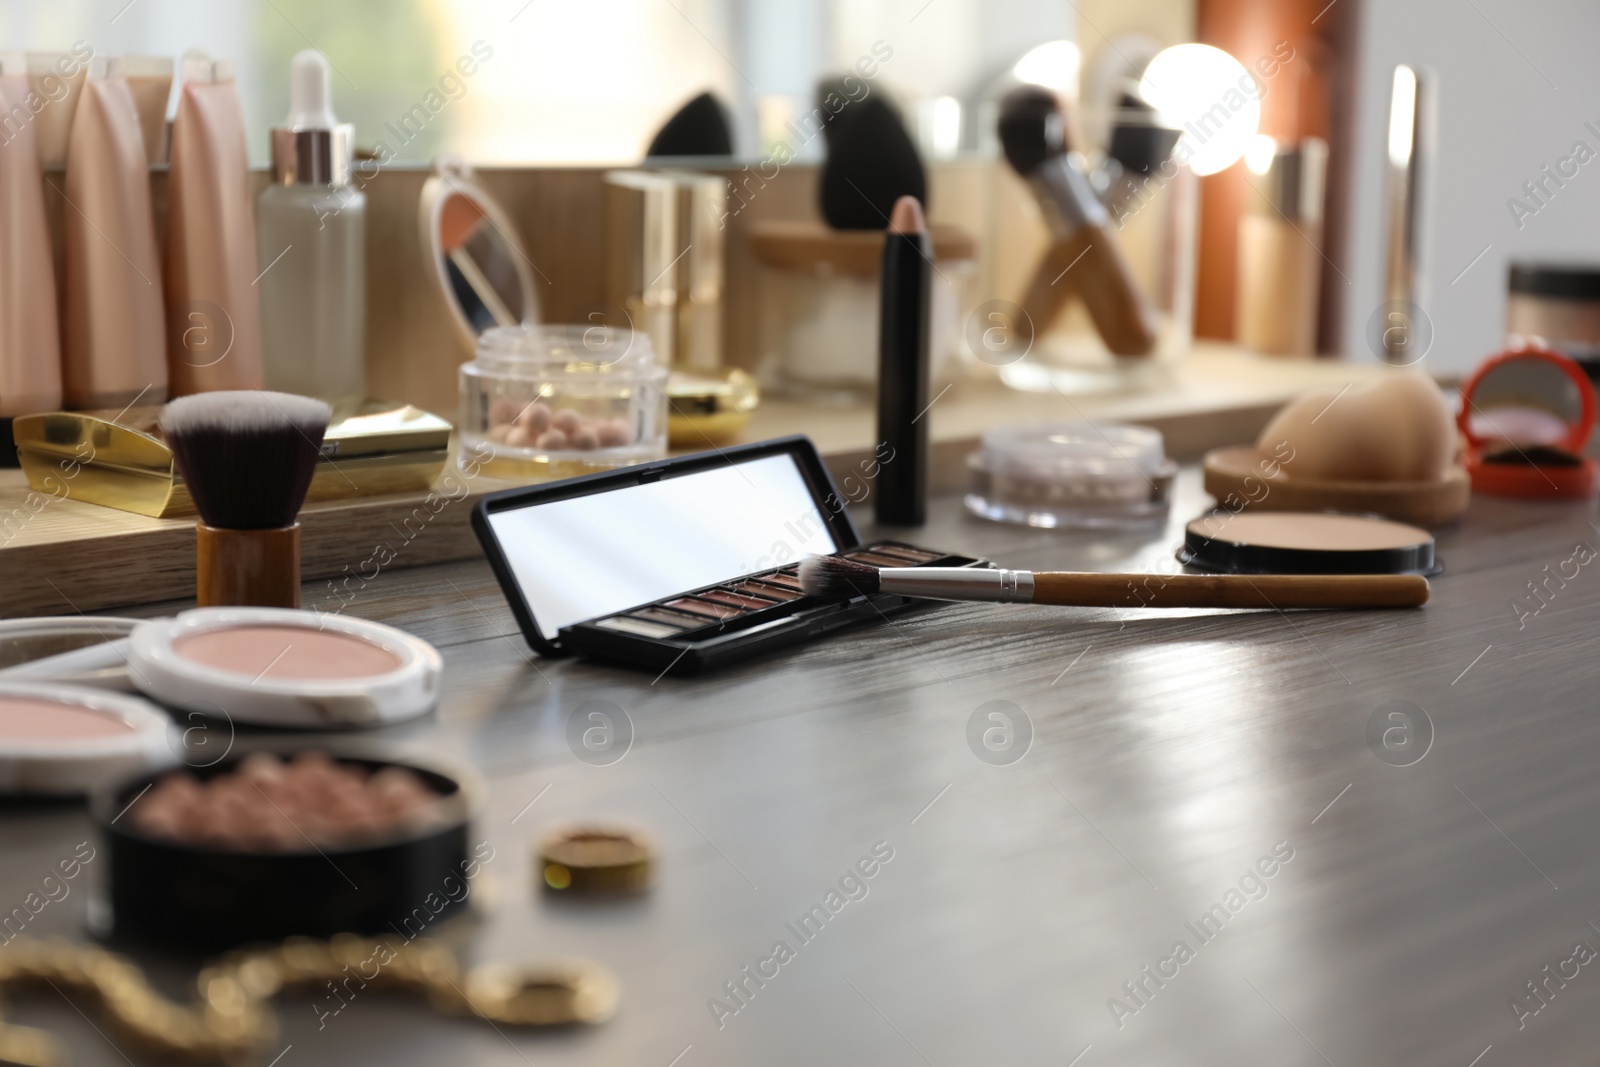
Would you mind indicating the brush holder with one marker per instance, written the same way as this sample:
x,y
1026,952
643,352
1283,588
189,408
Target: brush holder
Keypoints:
x,y
1154,221
247,568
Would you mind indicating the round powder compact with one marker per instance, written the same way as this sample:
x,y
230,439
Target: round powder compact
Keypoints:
x,y
1304,542
59,740
73,650
280,667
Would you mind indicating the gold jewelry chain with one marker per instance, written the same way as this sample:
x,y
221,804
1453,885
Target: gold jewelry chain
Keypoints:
x,y
233,1021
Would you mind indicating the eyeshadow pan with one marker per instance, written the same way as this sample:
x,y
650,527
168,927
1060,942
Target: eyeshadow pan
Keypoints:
x,y
771,592
638,626
668,618
738,600
778,578
911,555
875,559
703,607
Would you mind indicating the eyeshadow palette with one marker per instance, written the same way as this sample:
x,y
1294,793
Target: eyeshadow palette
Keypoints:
x,y
687,564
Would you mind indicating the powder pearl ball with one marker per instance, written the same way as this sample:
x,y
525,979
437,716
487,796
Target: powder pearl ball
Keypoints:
x,y
502,412
160,822
500,434
397,789
553,441
535,418
567,421
615,433
520,437
585,440
261,768
278,834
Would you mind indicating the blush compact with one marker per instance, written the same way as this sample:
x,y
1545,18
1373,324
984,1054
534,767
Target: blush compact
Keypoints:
x,y
1527,415
686,564
60,740
283,667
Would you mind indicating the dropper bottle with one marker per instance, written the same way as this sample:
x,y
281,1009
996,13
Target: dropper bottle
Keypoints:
x,y
312,226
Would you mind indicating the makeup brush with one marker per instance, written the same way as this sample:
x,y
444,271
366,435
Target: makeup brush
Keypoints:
x,y
833,576
247,459
1032,132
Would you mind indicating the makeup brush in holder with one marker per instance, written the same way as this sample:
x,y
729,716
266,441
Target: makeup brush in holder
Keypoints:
x,y
1033,135
247,459
834,576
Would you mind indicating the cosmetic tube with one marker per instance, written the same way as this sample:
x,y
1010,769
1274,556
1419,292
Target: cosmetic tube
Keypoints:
x,y
30,347
113,336
149,79
213,307
55,82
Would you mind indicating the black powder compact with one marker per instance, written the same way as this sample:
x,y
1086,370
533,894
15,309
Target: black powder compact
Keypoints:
x,y
1306,542
686,564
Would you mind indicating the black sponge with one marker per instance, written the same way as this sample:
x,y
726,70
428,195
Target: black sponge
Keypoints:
x,y
700,128
871,164
833,90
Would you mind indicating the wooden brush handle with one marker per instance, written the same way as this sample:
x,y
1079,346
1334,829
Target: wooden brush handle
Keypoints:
x,y
1230,590
247,568
1096,270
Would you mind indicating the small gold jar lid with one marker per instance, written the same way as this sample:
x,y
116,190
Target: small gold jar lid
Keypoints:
x,y
595,859
574,991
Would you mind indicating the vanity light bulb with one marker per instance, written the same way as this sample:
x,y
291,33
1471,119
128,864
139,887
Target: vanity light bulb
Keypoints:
x,y
1211,96
1053,65
1259,155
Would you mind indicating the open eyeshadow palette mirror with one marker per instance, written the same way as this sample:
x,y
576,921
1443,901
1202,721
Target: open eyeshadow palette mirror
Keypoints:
x,y
684,564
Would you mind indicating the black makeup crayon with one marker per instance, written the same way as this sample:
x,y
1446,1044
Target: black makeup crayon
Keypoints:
x,y
903,366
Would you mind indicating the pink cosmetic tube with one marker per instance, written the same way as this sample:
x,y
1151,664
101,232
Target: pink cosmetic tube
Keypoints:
x,y
213,307
30,346
114,338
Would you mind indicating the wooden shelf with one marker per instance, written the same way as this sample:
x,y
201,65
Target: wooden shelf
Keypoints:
x,y
62,556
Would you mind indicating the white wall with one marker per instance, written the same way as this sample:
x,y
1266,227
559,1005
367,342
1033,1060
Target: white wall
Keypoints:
x,y
1506,108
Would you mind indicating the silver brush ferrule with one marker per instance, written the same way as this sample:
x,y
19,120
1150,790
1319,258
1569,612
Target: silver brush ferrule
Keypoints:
x,y
958,583
1069,200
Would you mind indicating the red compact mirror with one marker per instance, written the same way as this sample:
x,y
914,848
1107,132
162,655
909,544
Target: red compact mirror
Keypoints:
x,y
1527,415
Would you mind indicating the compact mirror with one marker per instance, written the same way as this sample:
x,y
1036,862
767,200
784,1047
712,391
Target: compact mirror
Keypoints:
x,y
482,270
1527,415
1527,401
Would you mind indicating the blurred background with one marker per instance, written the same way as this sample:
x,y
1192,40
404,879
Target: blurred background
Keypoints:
x,y
590,83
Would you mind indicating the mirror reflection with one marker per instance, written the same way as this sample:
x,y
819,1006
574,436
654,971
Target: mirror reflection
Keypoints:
x,y
1527,401
480,264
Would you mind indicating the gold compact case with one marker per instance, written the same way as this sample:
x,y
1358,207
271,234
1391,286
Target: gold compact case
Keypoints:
x,y
708,407
118,459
